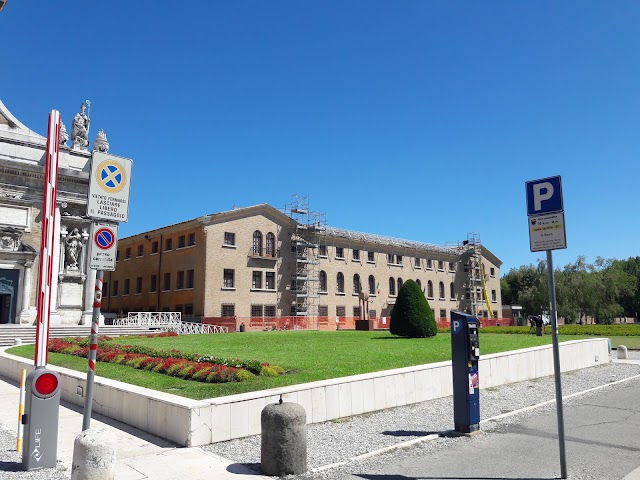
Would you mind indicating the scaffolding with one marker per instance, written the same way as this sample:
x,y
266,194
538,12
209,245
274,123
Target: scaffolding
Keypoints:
x,y
305,239
472,262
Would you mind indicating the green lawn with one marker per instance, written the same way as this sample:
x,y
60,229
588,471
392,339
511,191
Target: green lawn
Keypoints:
x,y
307,355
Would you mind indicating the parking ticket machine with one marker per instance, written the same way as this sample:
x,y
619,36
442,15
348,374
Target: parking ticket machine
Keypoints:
x,y
465,355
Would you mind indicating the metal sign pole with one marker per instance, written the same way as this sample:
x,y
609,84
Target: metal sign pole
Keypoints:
x,y
93,347
556,363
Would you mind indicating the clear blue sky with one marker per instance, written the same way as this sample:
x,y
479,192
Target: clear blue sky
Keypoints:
x,y
413,119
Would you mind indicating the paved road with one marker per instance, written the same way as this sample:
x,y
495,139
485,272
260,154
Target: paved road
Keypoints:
x,y
602,431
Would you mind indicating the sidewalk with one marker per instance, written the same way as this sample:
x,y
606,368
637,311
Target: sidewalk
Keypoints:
x,y
139,456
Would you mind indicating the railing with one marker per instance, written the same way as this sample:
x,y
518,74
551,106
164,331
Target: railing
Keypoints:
x,y
269,252
149,318
168,322
184,328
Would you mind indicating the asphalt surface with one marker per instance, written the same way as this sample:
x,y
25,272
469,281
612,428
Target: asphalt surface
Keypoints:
x,y
602,439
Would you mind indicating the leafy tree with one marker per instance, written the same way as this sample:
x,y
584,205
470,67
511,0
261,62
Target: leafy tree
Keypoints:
x,y
527,286
411,316
631,302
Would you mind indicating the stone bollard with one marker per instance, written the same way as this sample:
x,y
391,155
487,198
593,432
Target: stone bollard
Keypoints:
x,y
94,456
17,341
622,352
284,439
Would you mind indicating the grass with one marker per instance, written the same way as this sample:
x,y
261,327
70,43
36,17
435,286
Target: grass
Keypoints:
x,y
307,356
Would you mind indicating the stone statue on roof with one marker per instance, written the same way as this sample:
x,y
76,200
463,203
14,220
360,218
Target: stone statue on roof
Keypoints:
x,y
80,129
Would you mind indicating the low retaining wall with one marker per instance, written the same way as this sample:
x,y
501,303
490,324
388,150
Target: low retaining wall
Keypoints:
x,y
199,422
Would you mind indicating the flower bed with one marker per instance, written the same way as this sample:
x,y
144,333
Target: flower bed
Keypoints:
x,y
188,366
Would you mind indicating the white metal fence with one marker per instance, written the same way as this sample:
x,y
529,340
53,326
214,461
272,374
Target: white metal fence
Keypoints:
x,y
167,322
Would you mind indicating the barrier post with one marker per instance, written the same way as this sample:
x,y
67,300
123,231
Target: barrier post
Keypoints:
x,y
93,348
23,377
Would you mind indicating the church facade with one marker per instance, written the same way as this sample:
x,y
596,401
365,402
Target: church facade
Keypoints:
x,y
22,164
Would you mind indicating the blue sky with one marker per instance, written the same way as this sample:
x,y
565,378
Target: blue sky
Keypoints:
x,y
413,119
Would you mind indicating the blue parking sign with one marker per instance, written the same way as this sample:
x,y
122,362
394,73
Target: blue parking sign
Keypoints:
x,y
544,196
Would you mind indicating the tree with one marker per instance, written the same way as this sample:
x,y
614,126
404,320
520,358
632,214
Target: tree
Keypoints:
x,y
630,302
527,286
411,316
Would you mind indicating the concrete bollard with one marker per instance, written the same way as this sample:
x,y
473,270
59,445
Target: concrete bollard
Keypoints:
x,y
284,439
94,456
622,352
17,341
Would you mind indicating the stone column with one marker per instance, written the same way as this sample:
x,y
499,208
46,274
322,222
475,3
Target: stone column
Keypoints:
x,y
54,316
25,315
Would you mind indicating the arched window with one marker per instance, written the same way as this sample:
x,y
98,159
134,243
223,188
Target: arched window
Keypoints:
x,y
392,286
356,284
340,283
372,285
429,289
257,242
323,281
271,245
400,282
441,289
419,282
452,291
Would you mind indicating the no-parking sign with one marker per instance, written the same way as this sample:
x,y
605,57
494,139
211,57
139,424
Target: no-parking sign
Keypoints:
x,y
104,240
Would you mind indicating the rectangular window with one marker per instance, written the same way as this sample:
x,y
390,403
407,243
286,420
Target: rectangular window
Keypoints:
x,y
115,288
443,313
341,311
417,262
167,281
270,280
370,257
269,310
256,280
339,252
168,244
323,310
180,281
228,310
182,241
127,286
139,285
228,278
356,254
452,266
440,265
153,283
154,247
127,253
256,310
190,278
429,264
372,314
389,257
188,309
229,239
492,272
178,308
140,250
105,289
192,239
322,250
356,312
399,259
493,296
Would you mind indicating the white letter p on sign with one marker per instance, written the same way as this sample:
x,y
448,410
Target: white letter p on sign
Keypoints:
x,y
539,196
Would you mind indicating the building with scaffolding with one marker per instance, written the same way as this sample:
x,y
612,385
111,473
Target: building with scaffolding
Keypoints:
x,y
263,268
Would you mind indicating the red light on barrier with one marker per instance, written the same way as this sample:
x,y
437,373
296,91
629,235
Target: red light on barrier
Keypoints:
x,y
46,384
